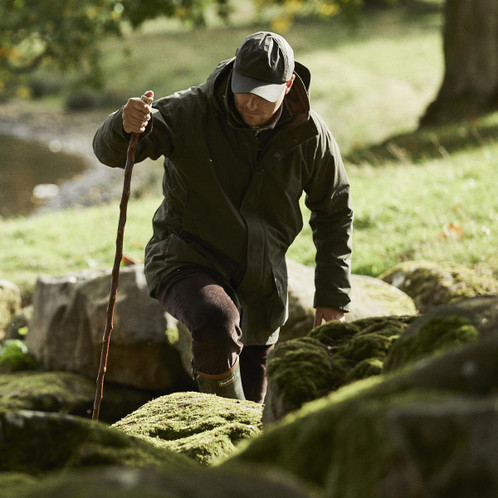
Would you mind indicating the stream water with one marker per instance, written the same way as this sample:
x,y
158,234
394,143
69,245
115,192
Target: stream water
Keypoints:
x,y
31,172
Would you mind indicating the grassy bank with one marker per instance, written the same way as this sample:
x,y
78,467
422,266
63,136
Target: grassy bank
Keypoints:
x,y
421,195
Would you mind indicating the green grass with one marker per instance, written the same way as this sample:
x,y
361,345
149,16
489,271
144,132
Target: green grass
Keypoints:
x,y
438,210
417,194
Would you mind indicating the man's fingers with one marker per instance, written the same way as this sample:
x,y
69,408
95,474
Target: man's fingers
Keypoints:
x,y
136,115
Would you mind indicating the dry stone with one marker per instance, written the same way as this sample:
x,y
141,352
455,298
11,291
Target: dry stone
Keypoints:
x,y
66,329
371,297
10,304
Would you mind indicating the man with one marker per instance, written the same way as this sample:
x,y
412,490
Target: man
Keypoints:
x,y
239,151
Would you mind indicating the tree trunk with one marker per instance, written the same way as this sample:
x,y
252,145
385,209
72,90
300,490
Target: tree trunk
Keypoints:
x,y
470,42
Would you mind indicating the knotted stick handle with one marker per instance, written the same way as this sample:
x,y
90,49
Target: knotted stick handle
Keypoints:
x,y
123,206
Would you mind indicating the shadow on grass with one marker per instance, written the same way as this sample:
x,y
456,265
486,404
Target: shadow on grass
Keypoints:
x,y
427,143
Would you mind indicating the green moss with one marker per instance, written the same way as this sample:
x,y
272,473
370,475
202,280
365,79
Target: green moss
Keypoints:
x,y
66,392
14,357
338,442
368,345
11,483
34,442
46,391
366,368
364,342
435,336
332,355
202,426
346,443
300,370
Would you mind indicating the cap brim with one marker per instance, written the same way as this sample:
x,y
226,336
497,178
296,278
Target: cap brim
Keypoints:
x,y
268,91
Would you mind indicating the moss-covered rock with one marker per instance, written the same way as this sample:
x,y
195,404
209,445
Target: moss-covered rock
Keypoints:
x,y
481,311
202,426
65,392
427,430
332,355
14,357
14,483
35,442
434,337
119,482
433,284
443,328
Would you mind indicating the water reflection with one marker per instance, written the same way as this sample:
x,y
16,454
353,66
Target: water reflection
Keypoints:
x,y
25,165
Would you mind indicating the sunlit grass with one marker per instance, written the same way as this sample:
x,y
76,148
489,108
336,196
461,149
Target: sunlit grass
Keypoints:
x,y
438,210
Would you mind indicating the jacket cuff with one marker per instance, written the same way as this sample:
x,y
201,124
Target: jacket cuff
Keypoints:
x,y
340,301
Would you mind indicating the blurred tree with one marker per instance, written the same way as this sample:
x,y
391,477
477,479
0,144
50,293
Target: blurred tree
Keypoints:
x,y
470,40
470,43
67,32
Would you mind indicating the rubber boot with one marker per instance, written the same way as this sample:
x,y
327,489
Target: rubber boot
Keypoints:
x,y
226,385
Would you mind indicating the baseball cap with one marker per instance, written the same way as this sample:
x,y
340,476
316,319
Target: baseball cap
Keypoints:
x,y
264,63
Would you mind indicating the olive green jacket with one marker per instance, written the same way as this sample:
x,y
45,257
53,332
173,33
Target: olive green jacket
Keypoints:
x,y
231,199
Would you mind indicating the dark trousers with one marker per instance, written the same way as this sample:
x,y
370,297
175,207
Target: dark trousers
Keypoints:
x,y
198,300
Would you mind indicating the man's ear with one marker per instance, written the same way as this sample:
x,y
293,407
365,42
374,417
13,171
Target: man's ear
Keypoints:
x,y
289,84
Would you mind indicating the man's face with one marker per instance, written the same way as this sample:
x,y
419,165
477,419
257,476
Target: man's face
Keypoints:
x,y
255,110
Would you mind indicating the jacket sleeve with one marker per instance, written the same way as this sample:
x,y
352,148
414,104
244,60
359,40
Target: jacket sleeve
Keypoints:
x,y
329,200
110,142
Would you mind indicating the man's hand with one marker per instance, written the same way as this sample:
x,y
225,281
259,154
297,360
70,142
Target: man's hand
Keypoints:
x,y
136,114
328,314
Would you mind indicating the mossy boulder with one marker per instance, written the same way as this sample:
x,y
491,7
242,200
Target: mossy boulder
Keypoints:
x,y
444,328
35,442
481,312
14,357
331,356
426,430
433,284
65,392
202,426
123,482
433,337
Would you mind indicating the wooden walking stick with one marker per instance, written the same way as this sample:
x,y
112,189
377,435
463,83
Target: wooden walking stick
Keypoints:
x,y
123,206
